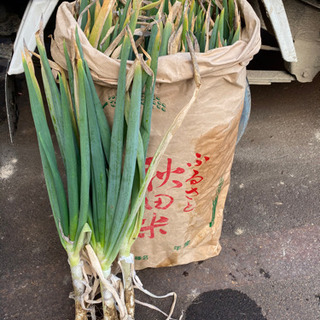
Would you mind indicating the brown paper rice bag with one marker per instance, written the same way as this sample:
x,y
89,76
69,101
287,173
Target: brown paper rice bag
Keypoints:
x,y
185,199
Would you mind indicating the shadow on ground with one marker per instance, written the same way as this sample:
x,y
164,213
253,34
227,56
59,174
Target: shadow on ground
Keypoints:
x,y
224,304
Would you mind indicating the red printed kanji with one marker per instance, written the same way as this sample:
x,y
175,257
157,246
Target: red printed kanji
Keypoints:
x,y
148,162
198,161
147,205
193,190
188,208
161,222
165,175
163,202
195,178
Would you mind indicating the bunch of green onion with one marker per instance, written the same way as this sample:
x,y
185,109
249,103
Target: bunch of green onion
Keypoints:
x,y
99,214
210,24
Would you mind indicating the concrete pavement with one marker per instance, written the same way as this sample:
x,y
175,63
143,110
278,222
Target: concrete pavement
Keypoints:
x,y
269,264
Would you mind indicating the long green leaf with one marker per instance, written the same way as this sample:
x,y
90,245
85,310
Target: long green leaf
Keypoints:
x,y
220,29
123,15
130,157
98,164
116,146
236,36
214,34
52,94
53,180
52,193
83,4
71,88
71,161
149,94
96,31
84,150
102,120
151,5
165,38
106,27
137,184
231,11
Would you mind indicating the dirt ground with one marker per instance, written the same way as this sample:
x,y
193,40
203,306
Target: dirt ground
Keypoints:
x,y
269,264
